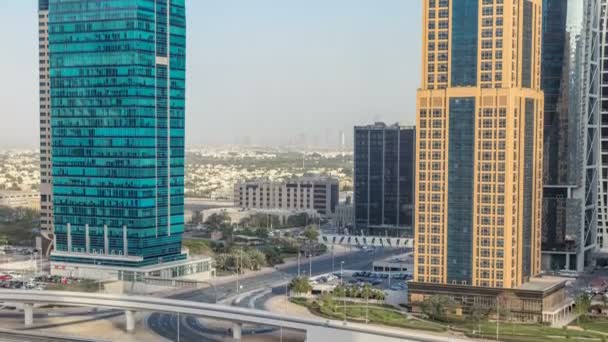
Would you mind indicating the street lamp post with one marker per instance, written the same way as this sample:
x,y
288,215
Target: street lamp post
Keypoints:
x,y
239,265
373,257
367,307
310,264
497,319
332,259
342,283
284,276
178,324
286,303
342,279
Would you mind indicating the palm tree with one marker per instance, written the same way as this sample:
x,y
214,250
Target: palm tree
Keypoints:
x,y
583,303
340,292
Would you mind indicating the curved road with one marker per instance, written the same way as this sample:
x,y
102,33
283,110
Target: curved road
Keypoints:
x,y
166,325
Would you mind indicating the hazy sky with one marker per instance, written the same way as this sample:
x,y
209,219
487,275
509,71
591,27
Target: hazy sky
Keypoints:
x,y
268,71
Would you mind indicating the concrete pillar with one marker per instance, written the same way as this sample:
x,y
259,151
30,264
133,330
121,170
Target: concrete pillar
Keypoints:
x,y
237,331
125,241
106,241
28,314
69,227
87,239
130,320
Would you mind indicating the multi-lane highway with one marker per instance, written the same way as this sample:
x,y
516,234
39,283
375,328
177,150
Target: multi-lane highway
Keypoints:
x,y
166,325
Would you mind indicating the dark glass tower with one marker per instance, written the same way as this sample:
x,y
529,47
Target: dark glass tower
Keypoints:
x,y
118,103
384,180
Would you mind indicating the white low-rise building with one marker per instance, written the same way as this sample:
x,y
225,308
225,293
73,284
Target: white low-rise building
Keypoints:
x,y
301,194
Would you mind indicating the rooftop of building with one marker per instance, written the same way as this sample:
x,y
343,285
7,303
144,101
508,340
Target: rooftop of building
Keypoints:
x,y
302,179
542,284
381,125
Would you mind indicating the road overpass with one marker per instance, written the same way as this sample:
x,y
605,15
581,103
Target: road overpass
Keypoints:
x,y
315,329
31,336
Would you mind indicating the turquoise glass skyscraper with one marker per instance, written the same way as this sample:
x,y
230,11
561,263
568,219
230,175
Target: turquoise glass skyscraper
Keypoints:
x,y
117,70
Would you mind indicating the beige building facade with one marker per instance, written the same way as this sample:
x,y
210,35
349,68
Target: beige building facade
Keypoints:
x,y
20,199
479,144
300,194
46,189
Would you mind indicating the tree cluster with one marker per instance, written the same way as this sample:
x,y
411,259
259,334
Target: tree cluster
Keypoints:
x,y
300,285
438,307
365,292
240,260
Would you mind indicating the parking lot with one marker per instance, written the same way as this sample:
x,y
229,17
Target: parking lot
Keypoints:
x,y
16,280
380,280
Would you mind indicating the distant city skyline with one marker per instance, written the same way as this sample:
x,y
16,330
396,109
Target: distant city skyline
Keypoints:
x,y
269,73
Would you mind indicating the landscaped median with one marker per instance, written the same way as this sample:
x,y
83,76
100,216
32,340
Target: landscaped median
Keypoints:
x,y
357,312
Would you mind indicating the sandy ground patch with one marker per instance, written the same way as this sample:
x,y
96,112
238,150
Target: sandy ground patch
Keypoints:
x,y
278,304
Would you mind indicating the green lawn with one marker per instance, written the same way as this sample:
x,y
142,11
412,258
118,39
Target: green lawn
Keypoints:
x,y
382,315
526,332
594,323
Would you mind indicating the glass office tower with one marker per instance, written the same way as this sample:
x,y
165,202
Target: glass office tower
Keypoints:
x,y
118,104
384,180
479,145
570,81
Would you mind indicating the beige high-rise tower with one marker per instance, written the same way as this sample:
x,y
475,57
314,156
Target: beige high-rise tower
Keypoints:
x,y
479,144
46,190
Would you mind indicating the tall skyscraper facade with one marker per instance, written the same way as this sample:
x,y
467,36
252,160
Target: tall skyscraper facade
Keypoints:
x,y
570,81
117,72
479,144
46,180
384,180
602,236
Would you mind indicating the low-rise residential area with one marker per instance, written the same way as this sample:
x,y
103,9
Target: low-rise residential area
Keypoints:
x,y
212,173
19,171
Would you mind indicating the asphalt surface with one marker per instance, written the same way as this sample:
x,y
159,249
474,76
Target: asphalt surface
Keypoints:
x,y
256,291
22,337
